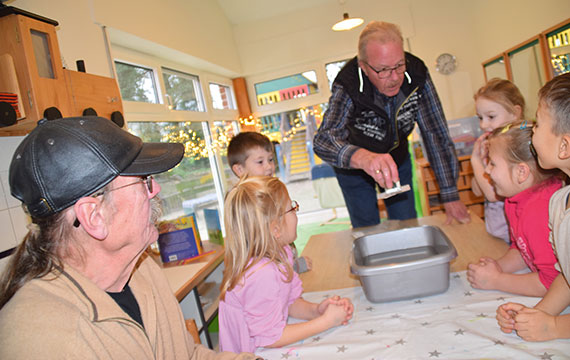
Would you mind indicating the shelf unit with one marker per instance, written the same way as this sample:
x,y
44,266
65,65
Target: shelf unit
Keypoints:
x,y
432,204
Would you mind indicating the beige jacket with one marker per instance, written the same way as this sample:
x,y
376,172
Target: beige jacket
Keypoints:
x,y
69,317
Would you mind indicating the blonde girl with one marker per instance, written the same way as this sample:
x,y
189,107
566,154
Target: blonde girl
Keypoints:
x,y
516,176
260,290
498,103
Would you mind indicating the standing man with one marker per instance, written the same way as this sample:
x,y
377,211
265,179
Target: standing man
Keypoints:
x,y
376,98
80,285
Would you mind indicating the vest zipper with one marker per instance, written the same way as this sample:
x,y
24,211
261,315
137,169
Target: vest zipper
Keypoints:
x,y
396,119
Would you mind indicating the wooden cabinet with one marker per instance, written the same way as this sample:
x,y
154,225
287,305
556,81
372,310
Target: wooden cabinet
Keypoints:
x,y
431,202
31,68
34,51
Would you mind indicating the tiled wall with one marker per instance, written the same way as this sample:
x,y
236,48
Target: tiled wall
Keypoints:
x,y
13,220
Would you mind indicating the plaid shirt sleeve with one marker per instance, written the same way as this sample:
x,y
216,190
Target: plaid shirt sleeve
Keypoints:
x,y
438,144
330,142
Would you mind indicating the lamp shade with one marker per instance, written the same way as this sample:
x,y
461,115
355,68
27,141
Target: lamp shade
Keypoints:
x,y
347,23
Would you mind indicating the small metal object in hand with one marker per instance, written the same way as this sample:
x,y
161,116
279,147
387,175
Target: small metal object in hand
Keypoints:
x,y
397,189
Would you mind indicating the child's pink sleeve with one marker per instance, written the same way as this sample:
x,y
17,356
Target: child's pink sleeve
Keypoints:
x,y
266,299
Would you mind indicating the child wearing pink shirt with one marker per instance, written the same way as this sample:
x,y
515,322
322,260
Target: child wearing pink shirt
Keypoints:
x,y
527,189
260,290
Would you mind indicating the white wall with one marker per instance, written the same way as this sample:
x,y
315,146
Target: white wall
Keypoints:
x,y
12,218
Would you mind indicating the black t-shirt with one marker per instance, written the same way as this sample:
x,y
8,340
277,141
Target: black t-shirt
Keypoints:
x,y
127,301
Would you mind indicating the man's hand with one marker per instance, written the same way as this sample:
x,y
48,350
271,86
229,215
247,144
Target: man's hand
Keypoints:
x,y
456,210
381,167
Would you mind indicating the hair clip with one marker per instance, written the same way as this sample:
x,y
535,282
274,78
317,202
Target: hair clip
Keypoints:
x,y
506,128
532,149
523,125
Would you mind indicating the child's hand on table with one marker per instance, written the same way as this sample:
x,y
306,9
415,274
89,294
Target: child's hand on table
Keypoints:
x,y
535,325
337,300
484,274
506,316
335,314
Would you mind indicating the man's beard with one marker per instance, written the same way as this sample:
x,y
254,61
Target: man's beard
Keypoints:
x,y
155,210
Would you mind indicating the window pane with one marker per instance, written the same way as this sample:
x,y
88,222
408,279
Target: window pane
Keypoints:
x,y
136,83
189,187
222,133
496,69
559,48
528,74
182,90
221,97
332,70
286,88
40,44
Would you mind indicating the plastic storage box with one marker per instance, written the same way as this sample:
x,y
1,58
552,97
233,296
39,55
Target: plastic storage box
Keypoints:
x,y
403,264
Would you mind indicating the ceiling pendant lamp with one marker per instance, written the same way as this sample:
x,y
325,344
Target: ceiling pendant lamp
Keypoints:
x,y
347,23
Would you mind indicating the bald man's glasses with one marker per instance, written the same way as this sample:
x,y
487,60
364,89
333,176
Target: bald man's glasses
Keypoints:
x,y
147,180
387,71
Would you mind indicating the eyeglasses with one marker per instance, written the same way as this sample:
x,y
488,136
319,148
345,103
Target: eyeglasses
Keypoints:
x,y
387,71
294,207
144,179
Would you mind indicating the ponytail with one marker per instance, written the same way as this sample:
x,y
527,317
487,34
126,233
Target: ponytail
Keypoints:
x,y
39,254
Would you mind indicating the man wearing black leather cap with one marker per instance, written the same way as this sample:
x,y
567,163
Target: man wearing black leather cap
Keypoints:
x,y
80,284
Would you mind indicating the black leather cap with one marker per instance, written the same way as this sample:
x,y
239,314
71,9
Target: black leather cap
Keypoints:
x,y
63,160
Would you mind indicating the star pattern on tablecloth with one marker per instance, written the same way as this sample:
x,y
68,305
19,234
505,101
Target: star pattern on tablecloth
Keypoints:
x,y
285,356
400,342
370,332
418,301
501,298
546,356
468,293
434,353
498,342
481,315
457,276
370,308
459,331
341,348
446,307
316,338
425,323
396,316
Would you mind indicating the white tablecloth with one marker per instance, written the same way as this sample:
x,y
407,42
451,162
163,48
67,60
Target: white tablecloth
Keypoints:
x,y
458,324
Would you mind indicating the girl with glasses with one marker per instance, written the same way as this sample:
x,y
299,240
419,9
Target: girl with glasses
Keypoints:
x,y
260,290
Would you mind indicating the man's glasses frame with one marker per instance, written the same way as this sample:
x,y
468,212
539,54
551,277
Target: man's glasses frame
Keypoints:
x,y
143,179
385,73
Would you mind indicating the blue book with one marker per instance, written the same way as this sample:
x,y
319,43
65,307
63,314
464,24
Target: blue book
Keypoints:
x,y
213,226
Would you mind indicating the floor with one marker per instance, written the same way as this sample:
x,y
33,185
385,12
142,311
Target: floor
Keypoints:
x,y
311,215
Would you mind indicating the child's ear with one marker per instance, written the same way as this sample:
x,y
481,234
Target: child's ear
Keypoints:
x,y
523,172
518,111
564,149
275,230
238,170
